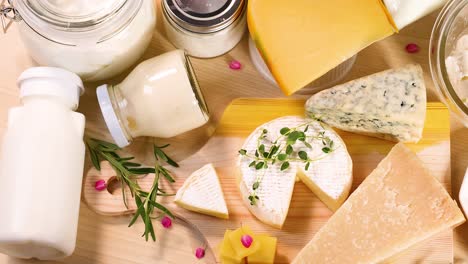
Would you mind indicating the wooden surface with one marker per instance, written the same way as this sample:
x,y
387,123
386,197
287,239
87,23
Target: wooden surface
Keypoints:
x,y
106,240
307,213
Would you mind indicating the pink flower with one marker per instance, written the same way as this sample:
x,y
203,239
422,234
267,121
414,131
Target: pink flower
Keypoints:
x,y
412,48
235,65
246,241
100,185
166,222
199,253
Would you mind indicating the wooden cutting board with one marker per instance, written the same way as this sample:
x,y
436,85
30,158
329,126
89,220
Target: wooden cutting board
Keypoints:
x,y
307,213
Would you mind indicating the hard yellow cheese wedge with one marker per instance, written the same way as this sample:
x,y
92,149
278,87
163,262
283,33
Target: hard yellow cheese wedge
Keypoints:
x,y
266,253
301,40
202,193
398,205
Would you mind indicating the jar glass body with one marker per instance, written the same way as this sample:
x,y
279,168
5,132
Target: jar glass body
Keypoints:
x,y
160,98
448,31
205,45
93,54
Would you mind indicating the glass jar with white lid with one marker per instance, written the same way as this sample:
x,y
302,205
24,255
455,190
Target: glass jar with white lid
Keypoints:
x,y
204,28
94,39
160,98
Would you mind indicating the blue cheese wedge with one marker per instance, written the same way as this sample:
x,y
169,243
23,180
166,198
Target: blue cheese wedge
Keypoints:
x,y
329,174
389,105
202,193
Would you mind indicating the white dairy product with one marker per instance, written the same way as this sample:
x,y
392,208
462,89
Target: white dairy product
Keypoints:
x,y
329,176
389,104
405,12
97,53
41,167
202,193
201,35
160,98
457,67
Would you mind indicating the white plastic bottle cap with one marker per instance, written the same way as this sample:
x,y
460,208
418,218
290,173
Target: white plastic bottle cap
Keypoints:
x,y
51,81
112,121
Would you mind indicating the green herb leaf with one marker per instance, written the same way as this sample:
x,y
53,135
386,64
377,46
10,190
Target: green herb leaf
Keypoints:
x,y
326,150
284,130
141,171
306,128
282,157
261,148
293,137
265,131
289,150
242,152
307,144
159,153
284,166
259,165
266,154
255,185
256,153
252,164
303,155
331,144
307,166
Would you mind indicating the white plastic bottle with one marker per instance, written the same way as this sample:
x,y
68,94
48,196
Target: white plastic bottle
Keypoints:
x,y
41,167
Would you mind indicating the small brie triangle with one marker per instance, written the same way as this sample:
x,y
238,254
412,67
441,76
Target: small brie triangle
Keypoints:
x,y
202,193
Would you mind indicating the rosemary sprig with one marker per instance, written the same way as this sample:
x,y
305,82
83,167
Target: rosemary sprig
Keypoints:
x,y
282,150
127,173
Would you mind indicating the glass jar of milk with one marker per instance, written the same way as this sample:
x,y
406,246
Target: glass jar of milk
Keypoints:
x,y
94,39
160,98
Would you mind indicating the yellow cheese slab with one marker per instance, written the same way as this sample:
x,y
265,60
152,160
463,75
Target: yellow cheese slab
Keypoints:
x,y
303,39
266,253
398,205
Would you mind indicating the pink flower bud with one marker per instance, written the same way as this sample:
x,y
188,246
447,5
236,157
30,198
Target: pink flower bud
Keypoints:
x,y
235,65
166,222
246,241
199,253
412,48
100,185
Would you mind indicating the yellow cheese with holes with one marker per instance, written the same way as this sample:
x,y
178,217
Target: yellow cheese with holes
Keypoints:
x,y
398,205
266,253
302,40
238,247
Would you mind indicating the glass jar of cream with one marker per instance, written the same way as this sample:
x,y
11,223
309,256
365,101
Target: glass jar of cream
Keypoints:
x,y
448,57
160,98
94,39
204,28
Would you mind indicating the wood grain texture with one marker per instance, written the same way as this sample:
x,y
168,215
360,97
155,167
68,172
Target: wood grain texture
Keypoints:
x,y
104,240
307,213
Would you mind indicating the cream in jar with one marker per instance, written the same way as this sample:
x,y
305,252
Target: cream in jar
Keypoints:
x,y
160,98
94,39
204,28
457,67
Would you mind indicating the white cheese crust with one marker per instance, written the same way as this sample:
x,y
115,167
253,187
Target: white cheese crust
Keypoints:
x,y
330,177
389,104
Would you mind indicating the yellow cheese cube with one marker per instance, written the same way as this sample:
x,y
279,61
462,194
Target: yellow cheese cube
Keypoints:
x,y
266,253
230,261
227,253
238,247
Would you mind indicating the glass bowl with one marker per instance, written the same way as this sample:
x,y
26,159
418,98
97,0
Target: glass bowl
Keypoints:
x,y
334,76
446,59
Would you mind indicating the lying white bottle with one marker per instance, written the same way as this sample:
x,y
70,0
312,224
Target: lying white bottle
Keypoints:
x,y
41,166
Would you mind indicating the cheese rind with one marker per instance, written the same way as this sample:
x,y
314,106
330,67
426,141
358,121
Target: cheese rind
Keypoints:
x,y
398,205
329,177
303,40
389,104
202,193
